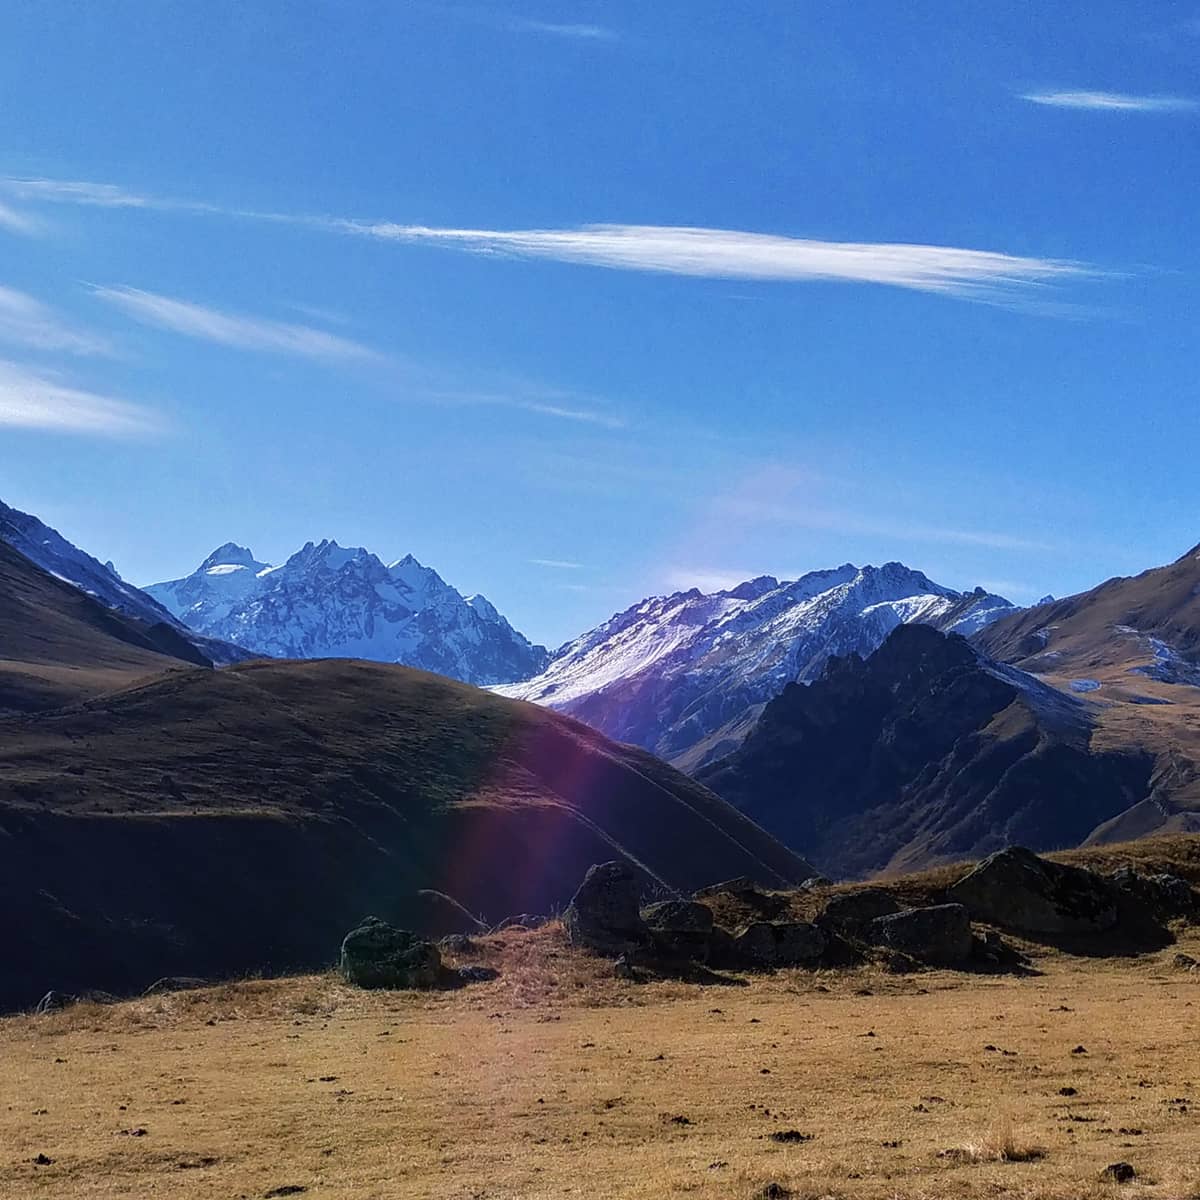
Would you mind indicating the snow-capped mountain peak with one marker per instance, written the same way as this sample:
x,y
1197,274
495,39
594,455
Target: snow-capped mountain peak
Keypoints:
x,y
231,555
333,601
684,674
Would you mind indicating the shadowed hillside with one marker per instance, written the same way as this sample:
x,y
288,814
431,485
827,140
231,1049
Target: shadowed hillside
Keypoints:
x,y
215,822
58,645
925,752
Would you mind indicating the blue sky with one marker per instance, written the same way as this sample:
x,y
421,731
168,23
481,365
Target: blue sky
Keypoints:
x,y
579,302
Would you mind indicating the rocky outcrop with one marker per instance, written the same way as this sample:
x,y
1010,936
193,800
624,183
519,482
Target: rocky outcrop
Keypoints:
x,y
681,928
774,944
603,914
1015,889
377,955
1168,896
939,934
849,912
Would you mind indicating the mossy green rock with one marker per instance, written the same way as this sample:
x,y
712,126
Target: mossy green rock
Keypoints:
x,y
378,955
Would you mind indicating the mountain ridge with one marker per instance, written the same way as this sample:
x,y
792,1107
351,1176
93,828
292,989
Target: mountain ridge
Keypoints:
x,y
927,751
332,601
685,675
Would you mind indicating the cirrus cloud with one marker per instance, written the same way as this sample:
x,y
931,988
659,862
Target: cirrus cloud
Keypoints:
x,y
38,400
735,254
232,329
1112,101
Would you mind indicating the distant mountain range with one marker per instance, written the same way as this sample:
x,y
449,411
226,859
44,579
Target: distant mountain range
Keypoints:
x,y
329,601
686,675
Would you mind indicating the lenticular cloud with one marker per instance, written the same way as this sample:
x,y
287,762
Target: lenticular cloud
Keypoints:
x,y
731,254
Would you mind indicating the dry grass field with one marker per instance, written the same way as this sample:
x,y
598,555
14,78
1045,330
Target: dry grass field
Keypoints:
x,y
559,1080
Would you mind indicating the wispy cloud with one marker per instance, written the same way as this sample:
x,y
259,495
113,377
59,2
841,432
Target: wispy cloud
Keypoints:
x,y
27,322
588,33
733,254
67,191
557,564
35,400
562,406
19,222
1112,101
232,329
986,275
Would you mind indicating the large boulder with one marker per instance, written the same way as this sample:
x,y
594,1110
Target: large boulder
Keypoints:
x,y
603,914
939,935
681,928
779,944
850,912
1016,889
378,955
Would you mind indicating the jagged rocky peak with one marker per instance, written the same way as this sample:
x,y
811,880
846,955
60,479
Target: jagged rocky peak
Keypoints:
x,y
334,601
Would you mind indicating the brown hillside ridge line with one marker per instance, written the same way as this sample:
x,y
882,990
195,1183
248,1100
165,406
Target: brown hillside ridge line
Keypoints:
x,y
1118,635
559,1079
214,823
59,646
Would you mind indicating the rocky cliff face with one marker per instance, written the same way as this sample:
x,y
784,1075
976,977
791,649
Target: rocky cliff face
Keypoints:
x,y
925,751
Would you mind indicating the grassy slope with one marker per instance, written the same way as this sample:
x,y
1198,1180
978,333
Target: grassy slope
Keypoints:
x,y
214,822
1080,638
57,645
559,1080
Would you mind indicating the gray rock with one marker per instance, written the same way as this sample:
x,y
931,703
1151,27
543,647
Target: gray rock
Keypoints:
x,y
1016,889
679,916
624,969
850,912
939,935
475,974
458,943
1175,896
1120,1172
377,955
681,928
779,944
1168,895
815,882
603,914
1181,962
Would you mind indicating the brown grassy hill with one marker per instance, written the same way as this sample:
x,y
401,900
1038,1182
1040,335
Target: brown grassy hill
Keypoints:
x,y
1134,643
58,645
213,822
